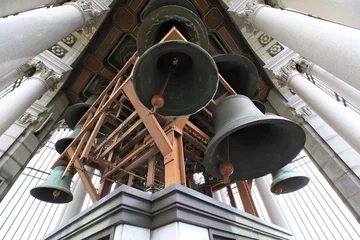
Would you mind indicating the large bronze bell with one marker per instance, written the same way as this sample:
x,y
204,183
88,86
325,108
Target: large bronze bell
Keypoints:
x,y
55,189
239,72
249,143
63,143
75,112
287,179
180,74
155,4
159,22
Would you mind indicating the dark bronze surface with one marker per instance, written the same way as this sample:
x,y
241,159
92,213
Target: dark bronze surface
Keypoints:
x,y
191,86
258,144
287,179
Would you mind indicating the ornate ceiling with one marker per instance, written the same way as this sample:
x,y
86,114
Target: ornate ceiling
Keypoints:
x,y
115,42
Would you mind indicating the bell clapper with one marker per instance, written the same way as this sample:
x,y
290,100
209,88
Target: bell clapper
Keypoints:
x,y
56,194
158,100
226,168
278,190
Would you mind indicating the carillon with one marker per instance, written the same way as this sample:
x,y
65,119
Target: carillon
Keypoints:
x,y
239,72
175,78
252,143
161,15
55,189
287,179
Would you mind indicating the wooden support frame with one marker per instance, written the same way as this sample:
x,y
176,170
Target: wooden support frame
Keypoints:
x,y
169,143
247,201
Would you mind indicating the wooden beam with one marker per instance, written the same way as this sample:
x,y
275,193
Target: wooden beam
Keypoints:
x,y
149,121
180,122
198,131
174,163
105,188
85,178
128,120
231,196
130,180
246,199
150,177
123,136
92,137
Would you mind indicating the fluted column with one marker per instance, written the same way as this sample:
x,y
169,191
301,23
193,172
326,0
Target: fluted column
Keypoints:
x,y
9,7
271,206
349,91
343,120
25,70
14,104
28,34
331,46
74,207
341,11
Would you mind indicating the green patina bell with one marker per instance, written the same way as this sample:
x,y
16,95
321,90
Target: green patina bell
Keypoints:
x,y
185,88
259,106
160,21
55,189
287,179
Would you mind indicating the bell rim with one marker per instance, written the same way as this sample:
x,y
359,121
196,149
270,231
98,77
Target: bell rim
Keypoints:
x,y
304,181
179,42
62,141
69,112
251,121
146,24
190,7
47,186
236,58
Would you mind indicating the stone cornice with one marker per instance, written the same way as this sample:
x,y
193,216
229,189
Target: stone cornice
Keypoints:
x,y
247,10
175,203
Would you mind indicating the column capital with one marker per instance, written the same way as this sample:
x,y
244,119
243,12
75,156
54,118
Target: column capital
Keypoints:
x,y
285,74
247,10
89,12
303,65
46,75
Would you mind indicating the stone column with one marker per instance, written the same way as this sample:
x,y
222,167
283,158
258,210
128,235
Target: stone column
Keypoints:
x,y
343,120
14,104
332,46
25,70
271,206
9,7
350,93
341,11
30,33
73,208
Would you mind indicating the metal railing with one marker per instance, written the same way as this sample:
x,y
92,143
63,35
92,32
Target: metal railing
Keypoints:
x,y
331,93
12,87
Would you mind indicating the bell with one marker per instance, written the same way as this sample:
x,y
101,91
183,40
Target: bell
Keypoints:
x,y
155,4
259,105
248,144
287,179
239,72
63,143
55,189
75,112
159,22
175,78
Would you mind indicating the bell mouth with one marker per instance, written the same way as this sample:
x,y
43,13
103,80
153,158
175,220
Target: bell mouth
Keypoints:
x,y
45,193
239,72
62,144
258,145
290,184
74,113
157,24
191,86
